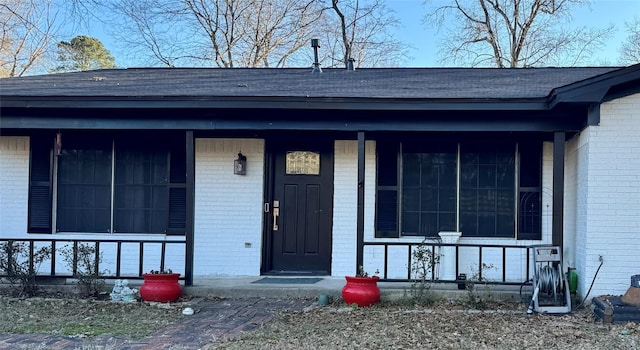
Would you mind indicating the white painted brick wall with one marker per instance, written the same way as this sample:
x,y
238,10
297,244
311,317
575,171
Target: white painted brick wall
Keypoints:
x,y
608,199
14,185
345,203
228,208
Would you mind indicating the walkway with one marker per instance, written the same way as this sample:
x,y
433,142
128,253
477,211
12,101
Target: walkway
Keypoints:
x,y
212,321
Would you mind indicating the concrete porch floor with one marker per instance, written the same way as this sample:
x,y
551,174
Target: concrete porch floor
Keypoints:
x,y
243,287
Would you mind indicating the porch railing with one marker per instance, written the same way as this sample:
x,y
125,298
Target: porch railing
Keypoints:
x,y
51,267
519,264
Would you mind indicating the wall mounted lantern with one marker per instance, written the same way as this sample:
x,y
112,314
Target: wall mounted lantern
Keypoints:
x,y
240,165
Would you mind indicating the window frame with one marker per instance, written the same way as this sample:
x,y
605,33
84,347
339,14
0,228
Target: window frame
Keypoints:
x,y
383,214
172,145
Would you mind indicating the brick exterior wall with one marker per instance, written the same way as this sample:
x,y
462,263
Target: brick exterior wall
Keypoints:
x,y
345,204
14,185
606,196
228,208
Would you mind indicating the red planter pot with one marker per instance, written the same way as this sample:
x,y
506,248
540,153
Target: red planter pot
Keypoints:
x,y
362,291
161,287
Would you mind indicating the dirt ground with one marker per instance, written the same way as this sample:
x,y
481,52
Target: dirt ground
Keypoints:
x,y
388,325
443,326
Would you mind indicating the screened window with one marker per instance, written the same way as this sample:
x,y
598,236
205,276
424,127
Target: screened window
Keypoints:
x,y
483,188
428,189
84,187
105,184
141,193
487,189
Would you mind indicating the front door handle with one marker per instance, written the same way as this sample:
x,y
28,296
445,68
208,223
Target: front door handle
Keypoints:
x,y
276,213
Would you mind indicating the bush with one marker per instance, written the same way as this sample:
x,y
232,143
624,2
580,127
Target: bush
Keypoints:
x,y
84,261
476,298
20,269
423,261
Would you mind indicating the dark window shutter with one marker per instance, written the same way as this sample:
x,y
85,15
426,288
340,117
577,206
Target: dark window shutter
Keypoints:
x,y
40,185
177,210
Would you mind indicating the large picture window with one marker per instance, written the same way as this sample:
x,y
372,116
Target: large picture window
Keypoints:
x,y
476,187
108,184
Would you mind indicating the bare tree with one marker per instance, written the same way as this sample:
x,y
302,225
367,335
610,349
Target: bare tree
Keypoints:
x,y
27,29
361,30
222,33
630,50
514,33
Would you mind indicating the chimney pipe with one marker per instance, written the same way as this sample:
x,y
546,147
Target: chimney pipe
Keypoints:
x,y
315,43
351,64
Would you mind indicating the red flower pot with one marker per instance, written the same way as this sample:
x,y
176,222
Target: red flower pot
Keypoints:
x,y
162,287
363,291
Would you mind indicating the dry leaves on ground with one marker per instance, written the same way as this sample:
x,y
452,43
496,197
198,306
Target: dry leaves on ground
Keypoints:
x,y
82,317
441,327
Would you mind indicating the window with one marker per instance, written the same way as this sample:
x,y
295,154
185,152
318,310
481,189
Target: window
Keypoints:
x,y
303,163
119,185
487,189
483,188
428,189
84,186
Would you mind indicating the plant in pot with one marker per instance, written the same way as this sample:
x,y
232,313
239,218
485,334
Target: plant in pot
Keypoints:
x,y
161,286
361,289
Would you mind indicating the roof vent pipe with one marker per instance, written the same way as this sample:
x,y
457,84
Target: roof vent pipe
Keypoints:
x,y
351,64
315,43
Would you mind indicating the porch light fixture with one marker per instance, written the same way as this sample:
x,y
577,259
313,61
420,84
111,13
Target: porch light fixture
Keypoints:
x,y
240,165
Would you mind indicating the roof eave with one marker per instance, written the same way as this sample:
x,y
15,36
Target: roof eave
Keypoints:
x,y
597,89
302,103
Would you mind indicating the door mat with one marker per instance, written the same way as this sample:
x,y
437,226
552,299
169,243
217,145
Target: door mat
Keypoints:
x,y
281,280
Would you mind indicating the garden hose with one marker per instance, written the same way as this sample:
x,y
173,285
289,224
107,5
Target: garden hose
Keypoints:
x,y
550,281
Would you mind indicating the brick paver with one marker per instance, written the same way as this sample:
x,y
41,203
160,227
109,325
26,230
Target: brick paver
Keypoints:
x,y
212,321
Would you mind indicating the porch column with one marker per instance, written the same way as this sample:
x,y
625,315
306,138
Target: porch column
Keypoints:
x,y
190,206
448,256
558,189
360,211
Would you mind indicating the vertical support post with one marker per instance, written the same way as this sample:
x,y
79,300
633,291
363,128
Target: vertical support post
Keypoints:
x,y
97,259
360,212
53,258
118,258
558,189
189,234
141,258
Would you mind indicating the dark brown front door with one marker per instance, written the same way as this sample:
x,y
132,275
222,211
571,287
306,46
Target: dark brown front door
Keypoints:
x,y
301,214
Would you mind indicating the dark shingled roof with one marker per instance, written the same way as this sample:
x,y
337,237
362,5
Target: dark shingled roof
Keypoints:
x,y
414,83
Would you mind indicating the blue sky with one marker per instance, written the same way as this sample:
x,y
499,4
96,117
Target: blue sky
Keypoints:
x,y
423,40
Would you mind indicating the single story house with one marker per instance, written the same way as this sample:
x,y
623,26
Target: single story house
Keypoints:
x,y
249,172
